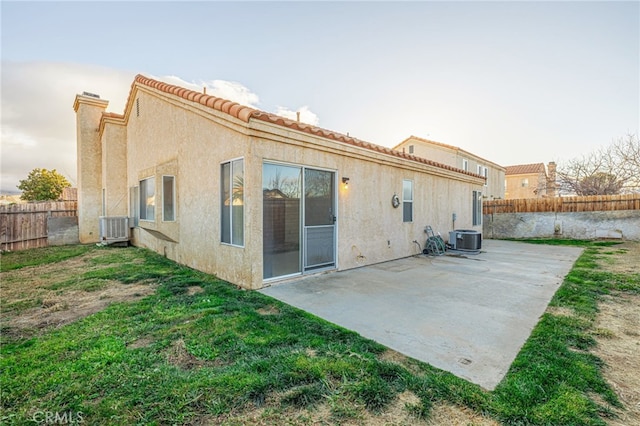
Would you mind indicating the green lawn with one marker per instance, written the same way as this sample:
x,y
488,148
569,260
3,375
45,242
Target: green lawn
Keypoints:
x,y
181,357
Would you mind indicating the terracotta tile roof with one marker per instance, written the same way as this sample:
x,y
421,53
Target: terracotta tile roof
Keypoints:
x,y
246,113
525,169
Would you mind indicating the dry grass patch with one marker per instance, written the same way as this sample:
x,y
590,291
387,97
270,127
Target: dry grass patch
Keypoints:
x,y
194,289
560,311
39,298
269,310
179,356
397,413
620,352
453,415
624,260
142,342
618,346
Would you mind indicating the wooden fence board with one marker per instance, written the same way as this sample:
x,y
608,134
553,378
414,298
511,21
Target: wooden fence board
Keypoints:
x,y
24,226
590,203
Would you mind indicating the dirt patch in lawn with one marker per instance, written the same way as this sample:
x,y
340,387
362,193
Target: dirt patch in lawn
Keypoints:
x,y
618,336
36,299
398,413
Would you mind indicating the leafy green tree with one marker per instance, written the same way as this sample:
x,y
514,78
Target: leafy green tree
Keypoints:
x,y
43,185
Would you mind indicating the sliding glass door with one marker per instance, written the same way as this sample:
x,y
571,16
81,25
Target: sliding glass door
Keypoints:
x,y
281,196
299,219
319,219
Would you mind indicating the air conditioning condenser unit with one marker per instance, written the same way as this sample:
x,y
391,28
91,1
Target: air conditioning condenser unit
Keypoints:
x,y
114,229
465,239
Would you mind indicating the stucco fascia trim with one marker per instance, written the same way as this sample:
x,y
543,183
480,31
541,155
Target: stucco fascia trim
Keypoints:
x,y
89,101
111,119
524,175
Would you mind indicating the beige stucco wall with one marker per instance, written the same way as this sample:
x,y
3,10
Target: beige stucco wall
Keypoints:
x,y
185,141
89,162
114,166
535,189
167,136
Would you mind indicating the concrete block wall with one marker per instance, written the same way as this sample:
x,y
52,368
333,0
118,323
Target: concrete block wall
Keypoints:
x,y
621,224
62,230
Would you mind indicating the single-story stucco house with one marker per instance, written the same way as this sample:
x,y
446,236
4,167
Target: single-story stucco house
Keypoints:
x,y
253,197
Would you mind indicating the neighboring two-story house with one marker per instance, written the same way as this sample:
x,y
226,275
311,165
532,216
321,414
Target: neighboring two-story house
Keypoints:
x,y
459,158
530,181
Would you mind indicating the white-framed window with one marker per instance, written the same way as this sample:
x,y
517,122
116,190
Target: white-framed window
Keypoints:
x,y
134,205
168,198
465,164
524,182
477,207
407,200
232,202
484,171
148,199
410,149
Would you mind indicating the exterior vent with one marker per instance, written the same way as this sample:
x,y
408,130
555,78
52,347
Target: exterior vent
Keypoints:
x,y
114,229
465,239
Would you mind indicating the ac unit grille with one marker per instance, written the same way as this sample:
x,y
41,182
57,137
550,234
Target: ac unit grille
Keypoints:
x,y
114,229
463,239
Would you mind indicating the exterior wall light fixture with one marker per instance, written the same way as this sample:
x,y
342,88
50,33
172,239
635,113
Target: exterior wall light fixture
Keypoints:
x,y
345,181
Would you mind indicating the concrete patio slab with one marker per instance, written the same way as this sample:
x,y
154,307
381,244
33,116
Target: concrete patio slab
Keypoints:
x,y
466,314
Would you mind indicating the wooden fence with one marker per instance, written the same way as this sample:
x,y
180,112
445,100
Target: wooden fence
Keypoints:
x,y
590,203
24,226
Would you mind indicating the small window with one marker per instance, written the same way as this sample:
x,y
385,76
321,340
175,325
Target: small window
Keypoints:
x,y
148,199
168,198
465,164
410,149
407,201
477,208
232,202
134,204
525,182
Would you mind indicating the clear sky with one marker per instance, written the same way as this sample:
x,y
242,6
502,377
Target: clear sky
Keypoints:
x,y
513,82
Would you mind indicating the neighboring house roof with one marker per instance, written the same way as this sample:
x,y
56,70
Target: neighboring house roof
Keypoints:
x,y
525,169
273,193
246,113
444,145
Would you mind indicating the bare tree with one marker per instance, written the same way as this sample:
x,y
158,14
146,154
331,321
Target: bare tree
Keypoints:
x,y
611,170
627,150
